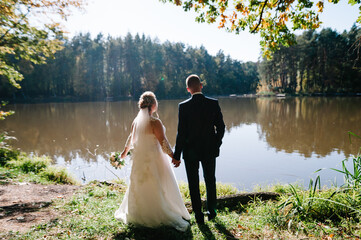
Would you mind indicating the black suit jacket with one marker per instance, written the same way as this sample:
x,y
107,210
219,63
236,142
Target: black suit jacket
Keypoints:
x,y
200,128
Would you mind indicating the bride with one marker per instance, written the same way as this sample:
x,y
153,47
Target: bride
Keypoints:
x,y
153,197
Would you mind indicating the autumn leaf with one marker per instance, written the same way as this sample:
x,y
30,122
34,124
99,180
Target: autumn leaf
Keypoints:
x,y
239,7
270,17
21,40
320,6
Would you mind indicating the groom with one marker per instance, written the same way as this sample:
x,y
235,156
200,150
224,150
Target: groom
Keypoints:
x,y
199,137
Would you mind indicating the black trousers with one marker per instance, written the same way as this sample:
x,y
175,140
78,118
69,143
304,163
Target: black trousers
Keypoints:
x,y
209,170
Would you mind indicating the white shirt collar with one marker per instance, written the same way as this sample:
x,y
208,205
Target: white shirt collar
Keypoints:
x,y
197,93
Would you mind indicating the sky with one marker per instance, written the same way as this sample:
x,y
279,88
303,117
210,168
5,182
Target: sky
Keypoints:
x,y
168,22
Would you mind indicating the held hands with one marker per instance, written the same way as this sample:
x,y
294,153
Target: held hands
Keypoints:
x,y
176,162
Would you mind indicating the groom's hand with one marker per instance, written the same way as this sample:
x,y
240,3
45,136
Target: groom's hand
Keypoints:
x,y
176,162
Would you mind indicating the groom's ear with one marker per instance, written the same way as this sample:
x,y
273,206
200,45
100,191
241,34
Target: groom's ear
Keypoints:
x,y
188,90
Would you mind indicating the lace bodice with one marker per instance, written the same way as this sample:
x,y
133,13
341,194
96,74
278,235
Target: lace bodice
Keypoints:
x,y
163,141
161,138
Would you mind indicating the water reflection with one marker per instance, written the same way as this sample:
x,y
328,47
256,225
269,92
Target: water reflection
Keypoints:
x,y
310,125
83,134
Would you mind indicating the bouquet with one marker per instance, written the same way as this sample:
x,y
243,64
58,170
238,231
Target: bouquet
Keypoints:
x,y
116,161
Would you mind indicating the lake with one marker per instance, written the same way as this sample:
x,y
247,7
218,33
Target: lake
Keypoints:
x,y
267,140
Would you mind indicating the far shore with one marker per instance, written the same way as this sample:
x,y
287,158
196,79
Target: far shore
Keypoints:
x,y
69,99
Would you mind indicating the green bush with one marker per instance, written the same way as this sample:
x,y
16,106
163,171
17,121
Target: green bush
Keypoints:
x,y
59,175
7,155
30,164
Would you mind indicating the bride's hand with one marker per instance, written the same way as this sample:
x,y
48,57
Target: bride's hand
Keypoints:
x,y
176,162
123,154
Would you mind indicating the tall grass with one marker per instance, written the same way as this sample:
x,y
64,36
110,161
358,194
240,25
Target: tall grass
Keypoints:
x,y
28,164
352,177
58,174
6,152
35,169
316,207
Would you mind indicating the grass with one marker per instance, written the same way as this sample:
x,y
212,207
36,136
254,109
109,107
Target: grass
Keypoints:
x,y
222,190
89,215
28,164
58,174
20,167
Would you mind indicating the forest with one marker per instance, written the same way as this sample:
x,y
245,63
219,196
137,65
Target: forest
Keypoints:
x,y
120,68
320,62
123,67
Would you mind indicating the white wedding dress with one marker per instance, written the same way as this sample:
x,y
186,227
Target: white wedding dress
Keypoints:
x,y
153,198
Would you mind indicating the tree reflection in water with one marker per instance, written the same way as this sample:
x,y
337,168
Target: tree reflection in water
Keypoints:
x,y
89,131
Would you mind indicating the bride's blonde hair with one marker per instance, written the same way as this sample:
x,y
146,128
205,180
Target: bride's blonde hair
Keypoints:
x,y
147,100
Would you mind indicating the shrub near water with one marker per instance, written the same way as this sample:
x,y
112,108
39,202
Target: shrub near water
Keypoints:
x,y
335,212
7,155
30,164
36,169
58,174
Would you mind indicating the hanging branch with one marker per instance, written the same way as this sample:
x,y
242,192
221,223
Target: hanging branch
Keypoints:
x,y
260,17
15,24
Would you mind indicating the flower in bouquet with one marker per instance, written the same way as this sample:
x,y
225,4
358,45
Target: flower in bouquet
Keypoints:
x,y
116,161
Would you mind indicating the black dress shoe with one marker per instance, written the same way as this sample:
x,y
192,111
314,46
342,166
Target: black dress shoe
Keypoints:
x,y
200,219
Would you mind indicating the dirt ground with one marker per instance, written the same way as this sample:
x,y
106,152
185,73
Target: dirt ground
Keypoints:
x,y
23,205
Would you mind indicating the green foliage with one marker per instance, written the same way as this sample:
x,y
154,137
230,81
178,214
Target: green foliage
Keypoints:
x,y
89,214
274,20
27,164
58,174
278,188
222,190
324,62
22,40
6,152
117,68
320,213
21,167
268,215
352,177
301,204
301,210
4,114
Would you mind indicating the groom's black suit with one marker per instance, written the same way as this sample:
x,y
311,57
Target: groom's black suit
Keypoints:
x,y
199,137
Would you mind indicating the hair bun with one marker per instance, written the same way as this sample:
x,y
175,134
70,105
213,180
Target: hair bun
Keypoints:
x,y
146,100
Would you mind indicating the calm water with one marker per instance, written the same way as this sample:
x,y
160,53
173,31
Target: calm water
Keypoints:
x,y
267,141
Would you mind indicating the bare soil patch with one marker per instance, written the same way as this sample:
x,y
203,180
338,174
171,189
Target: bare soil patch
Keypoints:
x,y
23,205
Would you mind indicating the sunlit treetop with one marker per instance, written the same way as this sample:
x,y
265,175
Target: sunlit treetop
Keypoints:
x,y
274,20
30,30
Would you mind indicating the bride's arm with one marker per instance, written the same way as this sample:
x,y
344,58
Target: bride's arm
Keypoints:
x,y
127,146
162,139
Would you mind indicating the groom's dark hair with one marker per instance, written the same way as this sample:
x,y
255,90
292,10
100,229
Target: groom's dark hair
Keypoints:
x,y
193,81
